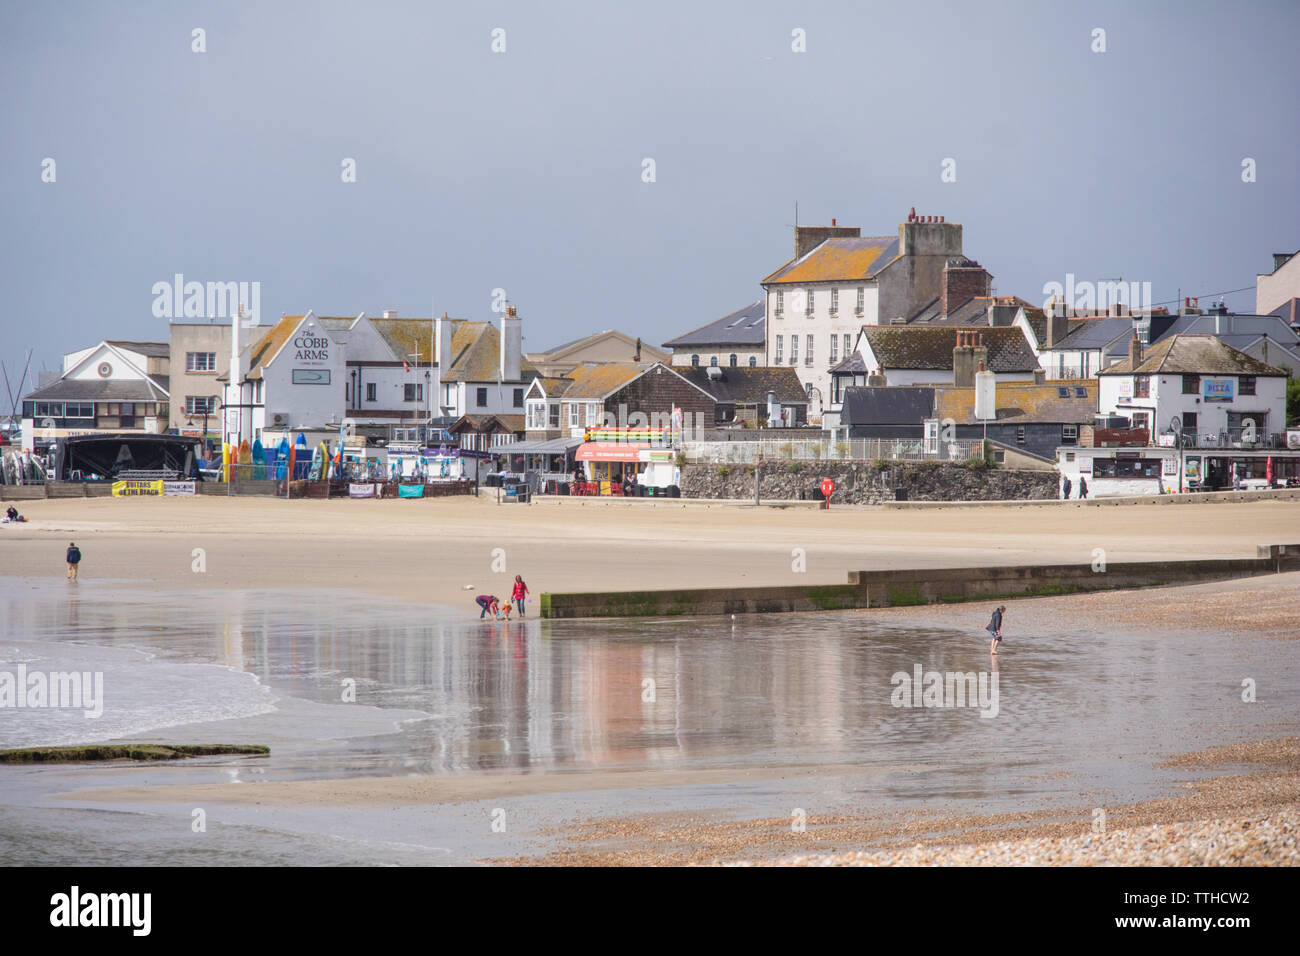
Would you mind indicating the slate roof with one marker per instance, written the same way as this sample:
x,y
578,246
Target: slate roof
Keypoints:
x,y
1288,311
749,386
1086,334
1193,355
1021,403
745,326
887,405
930,348
855,364
98,390
151,349
839,260
487,423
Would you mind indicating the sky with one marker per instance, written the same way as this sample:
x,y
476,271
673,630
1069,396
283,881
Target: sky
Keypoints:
x,y
1105,155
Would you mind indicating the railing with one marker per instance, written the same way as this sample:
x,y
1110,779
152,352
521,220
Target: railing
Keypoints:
x,y
1231,438
853,449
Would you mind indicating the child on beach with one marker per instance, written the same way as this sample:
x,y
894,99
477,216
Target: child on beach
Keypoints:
x,y
487,602
74,558
995,628
503,612
519,592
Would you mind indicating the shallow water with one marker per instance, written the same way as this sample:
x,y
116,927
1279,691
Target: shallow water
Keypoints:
x,y
438,691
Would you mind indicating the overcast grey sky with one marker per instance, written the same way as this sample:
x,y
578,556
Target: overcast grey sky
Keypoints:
x,y
523,170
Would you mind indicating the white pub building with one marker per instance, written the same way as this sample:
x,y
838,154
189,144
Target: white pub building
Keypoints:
x,y
1189,414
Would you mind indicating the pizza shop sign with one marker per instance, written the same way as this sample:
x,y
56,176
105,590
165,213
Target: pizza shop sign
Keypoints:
x,y
311,348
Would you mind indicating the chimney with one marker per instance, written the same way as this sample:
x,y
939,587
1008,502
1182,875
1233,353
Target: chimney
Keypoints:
x,y
877,378
962,280
442,343
808,238
1040,377
979,354
1134,351
963,360
511,346
1058,324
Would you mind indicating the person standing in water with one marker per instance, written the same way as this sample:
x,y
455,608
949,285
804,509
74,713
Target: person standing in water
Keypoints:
x,y
74,558
995,628
488,603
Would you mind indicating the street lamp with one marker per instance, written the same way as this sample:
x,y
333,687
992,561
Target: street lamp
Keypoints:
x,y
189,420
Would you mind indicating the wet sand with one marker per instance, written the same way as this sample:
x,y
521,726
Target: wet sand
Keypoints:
x,y
442,551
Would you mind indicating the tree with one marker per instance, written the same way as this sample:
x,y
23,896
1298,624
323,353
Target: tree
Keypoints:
x,y
1293,401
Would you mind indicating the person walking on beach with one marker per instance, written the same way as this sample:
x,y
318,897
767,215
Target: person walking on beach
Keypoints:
x,y
74,558
520,591
1083,487
995,628
1065,489
486,602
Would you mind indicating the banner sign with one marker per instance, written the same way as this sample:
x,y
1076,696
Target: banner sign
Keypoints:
x,y
410,491
136,488
361,490
1217,389
178,488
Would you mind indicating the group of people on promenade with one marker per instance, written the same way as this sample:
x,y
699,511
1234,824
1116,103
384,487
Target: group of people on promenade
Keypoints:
x,y
501,611
1066,485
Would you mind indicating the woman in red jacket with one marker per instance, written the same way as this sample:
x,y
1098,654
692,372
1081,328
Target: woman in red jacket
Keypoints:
x,y
518,594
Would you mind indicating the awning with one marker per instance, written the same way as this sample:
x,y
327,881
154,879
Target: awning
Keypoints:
x,y
611,451
553,446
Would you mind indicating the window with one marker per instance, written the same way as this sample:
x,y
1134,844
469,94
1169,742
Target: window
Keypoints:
x,y
594,416
848,344
808,308
127,415
835,301
49,409
695,359
753,362
713,361
413,393
200,361
553,414
1189,423
536,415
1062,391
1069,436
780,303
480,397
808,357
862,300
733,359
1080,392
1126,467
574,411
1141,386
794,349
778,350
519,398
835,348
1246,385
370,391
1191,384
1020,434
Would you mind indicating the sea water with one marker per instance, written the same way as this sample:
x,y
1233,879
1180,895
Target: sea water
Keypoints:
x,y
345,684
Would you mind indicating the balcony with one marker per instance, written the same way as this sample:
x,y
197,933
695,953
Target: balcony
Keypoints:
x,y
1228,439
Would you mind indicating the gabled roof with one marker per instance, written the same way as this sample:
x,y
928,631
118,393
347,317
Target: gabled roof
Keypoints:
x,y
925,348
494,424
476,351
839,260
853,365
748,386
261,352
887,405
100,390
560,352
745,326
596,381
1088,334
151,349
550,387
406,337
1021,403
1288,312
1193,355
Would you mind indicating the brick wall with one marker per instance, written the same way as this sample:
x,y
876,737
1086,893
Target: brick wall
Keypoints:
x,y
962,284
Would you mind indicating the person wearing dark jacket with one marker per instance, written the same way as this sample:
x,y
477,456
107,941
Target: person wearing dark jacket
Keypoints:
x,y
1065,489
486,601
995,628
74,558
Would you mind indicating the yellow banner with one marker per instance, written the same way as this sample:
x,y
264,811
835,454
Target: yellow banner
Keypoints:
x,y
135,489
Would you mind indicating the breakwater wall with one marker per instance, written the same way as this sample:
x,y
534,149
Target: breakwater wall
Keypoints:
x,y
866,589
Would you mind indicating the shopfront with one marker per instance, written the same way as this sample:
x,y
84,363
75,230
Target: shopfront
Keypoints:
x,y
608,465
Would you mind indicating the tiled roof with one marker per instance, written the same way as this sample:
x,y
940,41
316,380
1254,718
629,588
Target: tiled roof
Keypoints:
x,y
747,386
921,347
1193,355
742,327
554,387
405,337
595,381
476,351
151,349
1097,333
271,343
1023,402
487,423
839,260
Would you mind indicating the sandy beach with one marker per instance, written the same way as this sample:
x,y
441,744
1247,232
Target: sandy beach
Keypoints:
x,y
429,551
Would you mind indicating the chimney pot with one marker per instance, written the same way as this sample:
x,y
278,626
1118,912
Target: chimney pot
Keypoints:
x,y
832,220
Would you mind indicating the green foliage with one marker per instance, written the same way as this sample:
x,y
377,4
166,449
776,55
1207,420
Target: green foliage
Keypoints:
x,y
794,467
681,459
880,464
841,449
724,471
1292,401
979,464
786,450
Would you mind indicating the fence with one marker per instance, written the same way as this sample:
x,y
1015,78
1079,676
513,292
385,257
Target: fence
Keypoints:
x,y
812,449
